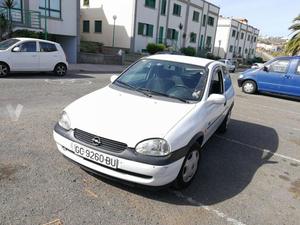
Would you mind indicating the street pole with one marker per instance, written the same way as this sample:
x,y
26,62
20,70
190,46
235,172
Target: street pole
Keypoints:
x,y
46,31
114,28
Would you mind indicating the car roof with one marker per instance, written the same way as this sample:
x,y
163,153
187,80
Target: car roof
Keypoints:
x,y
182,59
33,39
288,57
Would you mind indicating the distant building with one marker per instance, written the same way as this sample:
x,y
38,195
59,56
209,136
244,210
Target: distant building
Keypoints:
x,y
268,47
62,21
177,23
235,39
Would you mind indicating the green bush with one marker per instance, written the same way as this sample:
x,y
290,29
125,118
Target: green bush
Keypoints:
x,y
153,48
212,56
90,47
189,51
32,34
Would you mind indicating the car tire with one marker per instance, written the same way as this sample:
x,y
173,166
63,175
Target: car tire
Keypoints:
x,y
189,168
60,70
249,87
232,71
4,70
223,127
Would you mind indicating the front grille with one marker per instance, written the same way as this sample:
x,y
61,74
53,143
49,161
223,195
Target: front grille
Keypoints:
x,y
106,144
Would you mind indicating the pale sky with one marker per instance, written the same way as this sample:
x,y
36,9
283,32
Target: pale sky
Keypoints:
x,y
271,17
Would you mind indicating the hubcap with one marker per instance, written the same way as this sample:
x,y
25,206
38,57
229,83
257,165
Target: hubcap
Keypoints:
x,y
190,166
61,70
248,87
3,70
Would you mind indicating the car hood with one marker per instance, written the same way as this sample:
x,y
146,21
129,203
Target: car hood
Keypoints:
x,y
125,117
250,71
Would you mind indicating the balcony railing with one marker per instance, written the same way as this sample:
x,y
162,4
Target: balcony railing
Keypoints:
x,y
22,18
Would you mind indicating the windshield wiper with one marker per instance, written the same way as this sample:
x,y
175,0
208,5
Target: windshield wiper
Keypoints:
x,y
165,95
134,88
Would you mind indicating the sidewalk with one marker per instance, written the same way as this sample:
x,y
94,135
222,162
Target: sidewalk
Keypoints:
x,y
96,68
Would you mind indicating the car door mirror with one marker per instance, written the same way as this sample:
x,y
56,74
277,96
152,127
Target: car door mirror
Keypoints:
x,y
16,49
265,69
216,99
113,78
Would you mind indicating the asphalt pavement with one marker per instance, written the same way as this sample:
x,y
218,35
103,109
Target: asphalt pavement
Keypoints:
x,y
250,175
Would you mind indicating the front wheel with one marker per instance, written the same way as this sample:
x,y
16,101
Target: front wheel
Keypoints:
x,y
4,70
60,70
249,87
189,168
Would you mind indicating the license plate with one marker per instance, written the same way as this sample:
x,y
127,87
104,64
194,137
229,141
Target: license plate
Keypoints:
x,y
95,156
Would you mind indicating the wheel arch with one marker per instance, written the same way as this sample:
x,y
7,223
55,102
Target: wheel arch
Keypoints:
x,y
197,139
2,62
59,64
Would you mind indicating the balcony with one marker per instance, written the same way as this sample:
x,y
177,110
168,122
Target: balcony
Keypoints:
x,y
21,18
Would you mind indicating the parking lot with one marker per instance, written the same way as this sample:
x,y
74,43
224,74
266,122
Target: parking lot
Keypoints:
x,y
250,175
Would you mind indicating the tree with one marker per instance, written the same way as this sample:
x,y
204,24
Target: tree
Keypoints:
x,y
293,45
9,5
3,25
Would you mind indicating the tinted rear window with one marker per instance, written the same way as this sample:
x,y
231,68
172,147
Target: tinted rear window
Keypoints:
x,y
47,47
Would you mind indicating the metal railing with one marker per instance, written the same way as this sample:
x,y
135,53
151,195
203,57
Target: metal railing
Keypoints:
x,y
22,18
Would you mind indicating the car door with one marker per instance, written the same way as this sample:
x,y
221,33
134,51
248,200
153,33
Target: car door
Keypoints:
x,y
49,56
271,76
291,80
215,112
26,59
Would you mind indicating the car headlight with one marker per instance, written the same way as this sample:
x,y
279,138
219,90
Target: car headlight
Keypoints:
x,y
64,121
153,147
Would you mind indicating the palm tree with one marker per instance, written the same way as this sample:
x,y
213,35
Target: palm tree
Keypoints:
x,y
9,4
293,45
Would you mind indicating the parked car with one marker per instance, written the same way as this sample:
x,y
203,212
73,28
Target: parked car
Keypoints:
x,y
280,75
149,125
230,66
28,54
257,65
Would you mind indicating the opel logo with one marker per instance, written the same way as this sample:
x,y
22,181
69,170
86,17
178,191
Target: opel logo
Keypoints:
x,y
96,141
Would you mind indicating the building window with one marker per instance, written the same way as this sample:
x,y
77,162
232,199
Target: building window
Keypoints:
x,y
240,50
254,39
231,48
53,8
237,35
201,41
172,34
145,29
246,51
196,16
208,43
242,35
163,7
161,35
233,33
204,20
86,26
98,26
176,9
193,37
150,3
210,21
86,3
248,37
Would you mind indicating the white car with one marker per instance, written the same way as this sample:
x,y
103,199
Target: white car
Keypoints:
x,y
257,65
229,65
149,125
31,55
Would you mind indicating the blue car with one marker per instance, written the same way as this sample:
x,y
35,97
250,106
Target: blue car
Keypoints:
x,y
279,76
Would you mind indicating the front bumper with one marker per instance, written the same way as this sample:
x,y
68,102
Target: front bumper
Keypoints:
x,y
128,170
240,82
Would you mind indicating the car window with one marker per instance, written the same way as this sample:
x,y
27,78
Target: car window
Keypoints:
x,y
29,46
298,68
227,78
169,78
47,47
279,66
8,43
216,86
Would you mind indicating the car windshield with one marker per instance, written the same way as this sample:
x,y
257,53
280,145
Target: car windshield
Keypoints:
x,y
172,80
7,43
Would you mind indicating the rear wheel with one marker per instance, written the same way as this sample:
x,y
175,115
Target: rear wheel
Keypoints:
x,y
60,69
249,87
4,70
189,168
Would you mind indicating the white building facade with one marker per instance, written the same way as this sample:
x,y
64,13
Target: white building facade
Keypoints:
x,y
235,39
62,21
176,23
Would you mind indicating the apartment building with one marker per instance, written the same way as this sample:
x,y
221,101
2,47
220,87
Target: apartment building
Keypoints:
x,y
62,21
132,24
235,39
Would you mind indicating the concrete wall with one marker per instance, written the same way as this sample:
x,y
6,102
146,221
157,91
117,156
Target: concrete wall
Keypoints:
x,y
100,59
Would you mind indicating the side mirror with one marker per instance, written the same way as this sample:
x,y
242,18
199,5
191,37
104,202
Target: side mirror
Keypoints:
x,y
113,78
16,49
216,99
265,69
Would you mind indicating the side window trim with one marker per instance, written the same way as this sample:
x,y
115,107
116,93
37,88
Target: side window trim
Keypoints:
x,y
287,68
